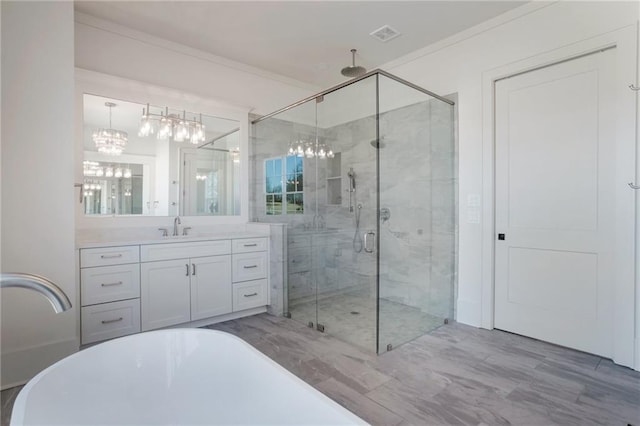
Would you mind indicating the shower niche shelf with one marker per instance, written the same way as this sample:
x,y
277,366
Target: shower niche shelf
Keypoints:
x,y
334,180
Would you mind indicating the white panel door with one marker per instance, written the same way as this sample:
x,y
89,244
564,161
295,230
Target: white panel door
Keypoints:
x,y
211,291
165,294
555,203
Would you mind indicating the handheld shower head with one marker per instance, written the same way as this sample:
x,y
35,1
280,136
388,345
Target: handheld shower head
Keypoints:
x,y
352,188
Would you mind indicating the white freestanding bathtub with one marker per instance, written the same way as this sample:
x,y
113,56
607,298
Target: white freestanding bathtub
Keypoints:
x,y
177,377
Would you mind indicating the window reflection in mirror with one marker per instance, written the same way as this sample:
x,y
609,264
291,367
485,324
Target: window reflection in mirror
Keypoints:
x,y
150,176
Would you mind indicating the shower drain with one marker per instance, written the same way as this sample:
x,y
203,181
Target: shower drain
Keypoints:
x,y
355,313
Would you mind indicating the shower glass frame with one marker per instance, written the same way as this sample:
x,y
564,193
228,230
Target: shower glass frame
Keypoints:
x,y
399,98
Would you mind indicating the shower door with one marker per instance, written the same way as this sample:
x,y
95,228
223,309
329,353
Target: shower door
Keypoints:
x,y
347,194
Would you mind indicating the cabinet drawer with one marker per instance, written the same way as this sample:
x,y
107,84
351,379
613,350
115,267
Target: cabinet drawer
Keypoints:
x,y
249,266
250,294
109,283
247,245
109,320
105,256
168,251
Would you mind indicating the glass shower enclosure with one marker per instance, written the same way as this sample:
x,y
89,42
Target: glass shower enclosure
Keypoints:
x,y
364,176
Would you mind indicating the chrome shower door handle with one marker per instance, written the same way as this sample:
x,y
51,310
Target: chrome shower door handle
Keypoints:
x,y
369,241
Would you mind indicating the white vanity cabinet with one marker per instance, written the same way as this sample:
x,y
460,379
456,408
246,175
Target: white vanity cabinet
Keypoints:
x,y
109,292
176,291
128,289
250,271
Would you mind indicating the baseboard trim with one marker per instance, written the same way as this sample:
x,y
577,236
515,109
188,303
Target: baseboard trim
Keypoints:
x,y
469,312
20,366
222,318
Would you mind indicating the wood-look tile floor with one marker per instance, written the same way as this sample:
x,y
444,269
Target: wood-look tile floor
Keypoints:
x,y
454,375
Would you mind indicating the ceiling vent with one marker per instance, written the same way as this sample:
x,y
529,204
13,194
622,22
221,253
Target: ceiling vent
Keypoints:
x,y
385,33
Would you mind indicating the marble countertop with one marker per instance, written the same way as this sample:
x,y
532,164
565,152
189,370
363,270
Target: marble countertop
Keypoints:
x,y
93,242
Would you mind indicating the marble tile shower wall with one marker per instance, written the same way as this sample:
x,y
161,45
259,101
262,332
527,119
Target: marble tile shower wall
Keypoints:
x,y
320,240
417,183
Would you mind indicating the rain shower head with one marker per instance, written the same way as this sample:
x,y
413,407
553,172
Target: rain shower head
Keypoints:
x,y
353,70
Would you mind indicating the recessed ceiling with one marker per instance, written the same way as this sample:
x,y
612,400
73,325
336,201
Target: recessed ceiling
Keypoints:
x,y
308,41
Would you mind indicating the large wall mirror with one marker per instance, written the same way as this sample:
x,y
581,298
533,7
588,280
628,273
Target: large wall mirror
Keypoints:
x,y
151,160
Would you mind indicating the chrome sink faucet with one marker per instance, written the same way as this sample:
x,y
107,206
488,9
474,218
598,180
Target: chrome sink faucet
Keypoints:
x,y
176,222
48,289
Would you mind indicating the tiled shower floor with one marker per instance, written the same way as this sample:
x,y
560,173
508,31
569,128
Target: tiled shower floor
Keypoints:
x,y
351,316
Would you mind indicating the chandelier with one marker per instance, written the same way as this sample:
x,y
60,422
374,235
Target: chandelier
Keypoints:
x,y
166,126
110,141
310,149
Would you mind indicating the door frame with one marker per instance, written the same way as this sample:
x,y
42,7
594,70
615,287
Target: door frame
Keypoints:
x,y
626,347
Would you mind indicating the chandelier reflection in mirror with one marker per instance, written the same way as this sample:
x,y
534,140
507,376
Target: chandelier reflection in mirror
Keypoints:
x,y
309,149
165,126
110,141
95,169
113,188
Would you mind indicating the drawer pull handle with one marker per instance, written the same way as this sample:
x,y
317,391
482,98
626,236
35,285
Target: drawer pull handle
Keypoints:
x,y
113,320
187,265
111,284
250,295
250,266
251,245
193,269
110,256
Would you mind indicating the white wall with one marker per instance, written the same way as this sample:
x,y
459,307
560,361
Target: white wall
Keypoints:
x,y
37,209
458,65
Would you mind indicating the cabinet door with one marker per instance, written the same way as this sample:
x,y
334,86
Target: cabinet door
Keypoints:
x,y
165,293
211,292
